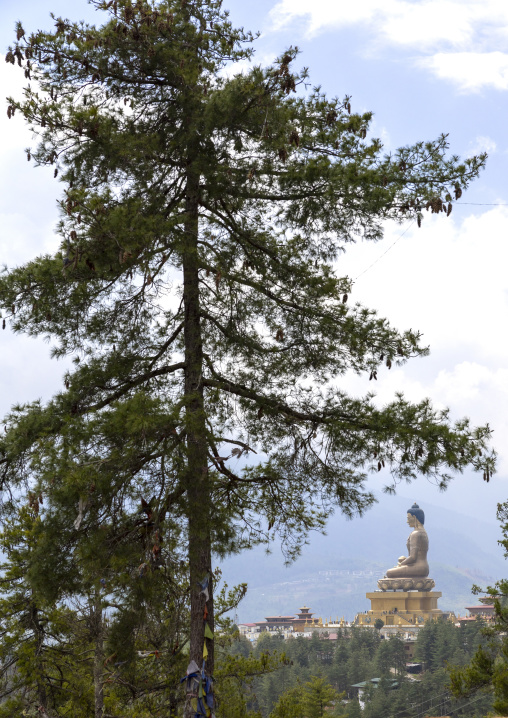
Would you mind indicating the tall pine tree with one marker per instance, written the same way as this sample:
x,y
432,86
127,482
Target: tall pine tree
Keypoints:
x,y
201,216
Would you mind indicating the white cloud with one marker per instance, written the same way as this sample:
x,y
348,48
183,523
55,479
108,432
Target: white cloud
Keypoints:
x,y
470,380
483,144
405,22
28,371
470,70
465,40
469,389
448,280
425,24
14,132
470,384
322,14
28,197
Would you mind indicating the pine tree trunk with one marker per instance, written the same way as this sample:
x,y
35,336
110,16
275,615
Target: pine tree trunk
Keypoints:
x,y
197,480
98,660
42,697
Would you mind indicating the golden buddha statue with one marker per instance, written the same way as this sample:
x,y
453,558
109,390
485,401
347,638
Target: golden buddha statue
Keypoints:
x,y
415,563
412,570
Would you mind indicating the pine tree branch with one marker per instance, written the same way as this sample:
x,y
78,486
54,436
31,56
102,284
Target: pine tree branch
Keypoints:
x,y
128,385
247,341
280,407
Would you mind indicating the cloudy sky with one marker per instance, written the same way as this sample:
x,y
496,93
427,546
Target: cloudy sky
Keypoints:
x,y
424,67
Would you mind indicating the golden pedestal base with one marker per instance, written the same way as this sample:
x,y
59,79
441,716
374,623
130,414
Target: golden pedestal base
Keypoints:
x,y
401,608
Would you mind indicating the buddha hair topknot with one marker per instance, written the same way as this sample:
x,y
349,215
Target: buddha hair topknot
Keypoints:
x,y
417,512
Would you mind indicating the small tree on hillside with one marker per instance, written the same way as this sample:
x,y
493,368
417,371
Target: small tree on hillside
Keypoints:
x,y
35,648
62,654
289,705
317,697
354,710
311,700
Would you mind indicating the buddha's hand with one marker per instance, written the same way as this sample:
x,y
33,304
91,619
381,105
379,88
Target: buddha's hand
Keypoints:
x,y
401,559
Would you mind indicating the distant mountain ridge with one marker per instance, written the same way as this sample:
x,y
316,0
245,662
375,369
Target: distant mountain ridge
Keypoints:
x,y
335,571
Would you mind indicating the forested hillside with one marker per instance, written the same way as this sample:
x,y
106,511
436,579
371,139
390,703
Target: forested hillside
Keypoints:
x,y
317,675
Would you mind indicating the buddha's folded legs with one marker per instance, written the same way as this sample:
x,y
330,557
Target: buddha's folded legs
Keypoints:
x,y
420,569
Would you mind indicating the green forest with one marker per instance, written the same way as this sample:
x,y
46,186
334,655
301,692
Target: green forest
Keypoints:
x,y
317,675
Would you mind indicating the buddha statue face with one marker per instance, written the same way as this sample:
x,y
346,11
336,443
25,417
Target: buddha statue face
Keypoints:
x,y
413,522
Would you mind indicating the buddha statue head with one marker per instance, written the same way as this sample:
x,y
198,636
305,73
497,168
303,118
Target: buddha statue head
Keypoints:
x,y
415,517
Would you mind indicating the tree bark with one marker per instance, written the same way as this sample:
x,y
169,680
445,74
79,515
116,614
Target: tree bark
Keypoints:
x,y
98,658
197,478
42,696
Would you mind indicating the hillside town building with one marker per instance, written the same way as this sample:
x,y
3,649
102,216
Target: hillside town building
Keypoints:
x,y
302,623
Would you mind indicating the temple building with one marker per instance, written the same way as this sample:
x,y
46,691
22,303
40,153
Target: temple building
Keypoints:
x,y
303,622
485,611
305,619
276,623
